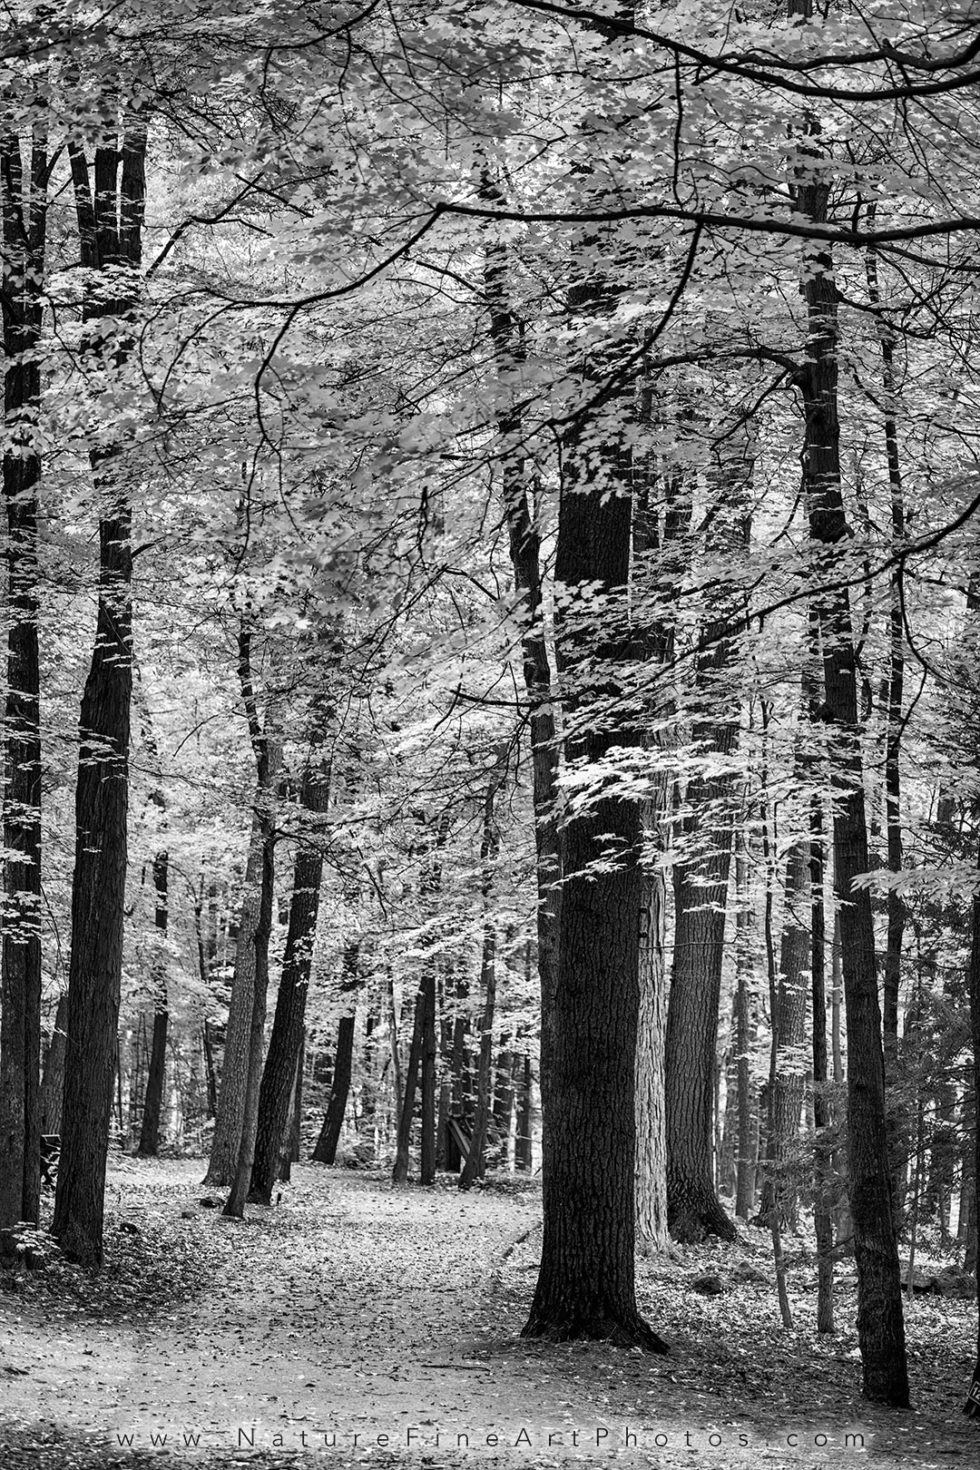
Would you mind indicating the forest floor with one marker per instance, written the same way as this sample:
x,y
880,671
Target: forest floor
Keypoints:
x,y
355,1324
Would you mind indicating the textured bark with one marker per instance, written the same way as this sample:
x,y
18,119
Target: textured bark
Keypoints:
x,y
289,1023
586,1282
110,217
972,1405
881,1331
747,1147
651,1152
153,1098
692,1030
325,1151
53,1083
823,1219
24,217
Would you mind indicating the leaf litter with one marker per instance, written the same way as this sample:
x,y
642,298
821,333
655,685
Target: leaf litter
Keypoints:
x,y
356,1323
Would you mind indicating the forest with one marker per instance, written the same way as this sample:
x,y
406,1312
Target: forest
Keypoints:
x,y
491,590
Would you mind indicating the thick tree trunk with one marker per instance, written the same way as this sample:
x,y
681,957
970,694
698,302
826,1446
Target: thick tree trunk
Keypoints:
x,y
586,1281
881,1330
651,1152
110,218
972,1405
288,1027
24,215
700,889
153,1098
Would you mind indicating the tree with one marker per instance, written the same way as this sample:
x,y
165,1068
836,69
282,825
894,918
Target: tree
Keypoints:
x,y
267,750
586,1280
880,1325
110,223
701,879
284,1056
150,1132
24,194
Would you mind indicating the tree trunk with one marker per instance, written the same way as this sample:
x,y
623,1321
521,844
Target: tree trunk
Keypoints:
x,y
288,1026
53,1085
586,1282
747,1102
474,1166
972,1405
292,1148
427,1120
823,1218
24,216
895,903
881,1331
523,1151
268,759
234,1066
325,1151
693,1208
460,1075
503,1100
701,882
153,1098
399,1173
780,1198
110,229
507,340
238,1193
651,1154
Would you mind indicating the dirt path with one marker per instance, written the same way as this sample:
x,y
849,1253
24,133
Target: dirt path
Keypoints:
x,y
356,1324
